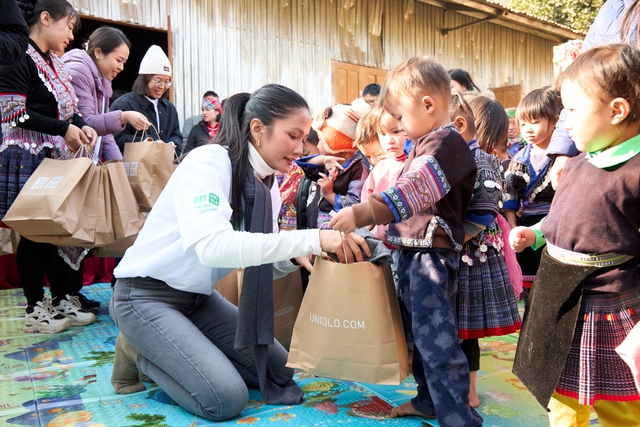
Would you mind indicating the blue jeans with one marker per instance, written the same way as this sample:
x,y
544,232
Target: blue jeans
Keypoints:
x,y
185,344
428,286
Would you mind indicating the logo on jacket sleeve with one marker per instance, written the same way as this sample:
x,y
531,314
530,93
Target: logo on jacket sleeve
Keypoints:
x,y
207,203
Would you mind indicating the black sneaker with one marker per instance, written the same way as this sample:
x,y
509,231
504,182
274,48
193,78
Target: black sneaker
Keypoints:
x,y
87,304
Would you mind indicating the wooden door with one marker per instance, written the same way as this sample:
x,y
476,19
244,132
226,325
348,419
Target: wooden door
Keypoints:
x,y
508,96
349,80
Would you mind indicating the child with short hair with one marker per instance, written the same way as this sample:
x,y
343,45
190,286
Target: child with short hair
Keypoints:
x,y
337,187
366,138
486,301
490,119
387,167
515,141
426,209
528,179
586,298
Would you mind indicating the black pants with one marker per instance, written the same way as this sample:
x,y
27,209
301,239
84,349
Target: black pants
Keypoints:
x,y
471,349
33,259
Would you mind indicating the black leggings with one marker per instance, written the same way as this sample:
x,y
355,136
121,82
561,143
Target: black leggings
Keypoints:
x,y
33,259
471,349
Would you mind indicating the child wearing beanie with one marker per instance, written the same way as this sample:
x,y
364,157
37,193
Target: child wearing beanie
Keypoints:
x,y
341,185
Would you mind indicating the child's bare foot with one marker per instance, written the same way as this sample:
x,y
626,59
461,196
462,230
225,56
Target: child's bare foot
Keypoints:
x,y
474,399
407,410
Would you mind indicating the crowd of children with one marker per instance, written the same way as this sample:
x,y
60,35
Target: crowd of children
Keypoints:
x,y
457,275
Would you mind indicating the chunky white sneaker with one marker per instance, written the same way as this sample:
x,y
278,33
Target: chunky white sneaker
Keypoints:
x,y
43,318
71,307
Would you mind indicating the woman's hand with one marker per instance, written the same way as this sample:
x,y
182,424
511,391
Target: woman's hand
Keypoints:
x,y
521,238
305,261
347,247
75,137
138,120
344,221
91,134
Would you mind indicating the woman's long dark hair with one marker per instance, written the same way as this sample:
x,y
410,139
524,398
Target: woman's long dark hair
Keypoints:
x,y
268,104
107,39
58,9
464,78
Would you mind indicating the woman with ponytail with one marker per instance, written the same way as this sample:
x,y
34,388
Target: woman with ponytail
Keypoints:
x,y
218,212
40,119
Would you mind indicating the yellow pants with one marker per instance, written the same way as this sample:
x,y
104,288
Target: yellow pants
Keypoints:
x,y
567,412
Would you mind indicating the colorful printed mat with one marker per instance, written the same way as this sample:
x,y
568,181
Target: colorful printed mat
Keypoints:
x,y
63,380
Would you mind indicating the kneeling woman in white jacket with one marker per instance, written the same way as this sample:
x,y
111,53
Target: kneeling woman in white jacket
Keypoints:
x,y
218,212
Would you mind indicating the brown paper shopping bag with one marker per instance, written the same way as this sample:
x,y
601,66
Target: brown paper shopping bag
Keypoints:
x,y
287,297
124,207
120,246
8,241
51,201
94,227
230,286
115,249
148,165
104,234
349,325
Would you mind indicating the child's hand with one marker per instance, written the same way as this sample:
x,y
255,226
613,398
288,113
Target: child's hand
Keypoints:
x,y
333,163
344,221
521,238
326,184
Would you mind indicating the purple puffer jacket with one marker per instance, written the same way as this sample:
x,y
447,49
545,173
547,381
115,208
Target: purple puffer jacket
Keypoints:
x,y
92,90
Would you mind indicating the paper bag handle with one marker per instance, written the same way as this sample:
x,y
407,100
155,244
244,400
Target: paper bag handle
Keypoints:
x,y
344,249
346,260
84,150
144,133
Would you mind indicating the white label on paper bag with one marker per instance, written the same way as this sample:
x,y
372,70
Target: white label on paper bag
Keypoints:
x,y
133,169
40,182
336,323
284,310
54,182
126,168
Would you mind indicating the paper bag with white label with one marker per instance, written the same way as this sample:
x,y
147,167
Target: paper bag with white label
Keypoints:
x,y
287,297
91,229
349,325
51,201
149,165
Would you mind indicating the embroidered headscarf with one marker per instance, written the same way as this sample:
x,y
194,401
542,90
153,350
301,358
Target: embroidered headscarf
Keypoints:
x,y
210,103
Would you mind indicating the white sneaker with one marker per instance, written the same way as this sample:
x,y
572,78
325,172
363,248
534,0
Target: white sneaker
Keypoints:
x,y
43,318
71,307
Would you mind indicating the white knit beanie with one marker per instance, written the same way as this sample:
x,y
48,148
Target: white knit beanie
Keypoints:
x,y
155,62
